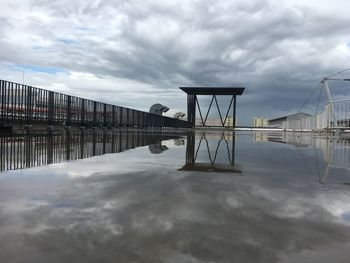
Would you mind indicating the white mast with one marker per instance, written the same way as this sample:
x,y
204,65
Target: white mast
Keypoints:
x,y
329,106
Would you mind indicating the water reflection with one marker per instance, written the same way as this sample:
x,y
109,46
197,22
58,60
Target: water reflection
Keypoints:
x,y
30,150
139,207
219,153
326,151
157,148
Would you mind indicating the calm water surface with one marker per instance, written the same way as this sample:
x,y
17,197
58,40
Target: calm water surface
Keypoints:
x,y
149,197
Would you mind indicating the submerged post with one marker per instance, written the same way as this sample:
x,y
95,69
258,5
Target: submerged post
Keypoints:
x,y
234,112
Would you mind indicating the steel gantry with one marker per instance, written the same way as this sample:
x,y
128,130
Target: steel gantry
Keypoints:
x,y
192,102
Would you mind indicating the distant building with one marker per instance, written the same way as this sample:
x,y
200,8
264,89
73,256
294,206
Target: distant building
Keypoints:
x,y
260,122
217,122
229,121
290,122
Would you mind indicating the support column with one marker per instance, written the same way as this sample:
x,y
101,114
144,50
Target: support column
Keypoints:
x,y
82,118
69,110
113,116
234,112
29,105
104,115
95,115
191,110
50,104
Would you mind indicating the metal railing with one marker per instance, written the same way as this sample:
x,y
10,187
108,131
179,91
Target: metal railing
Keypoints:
x,y
335,115
30,105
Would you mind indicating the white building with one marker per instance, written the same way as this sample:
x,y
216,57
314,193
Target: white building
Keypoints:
x,y
217,122
260,122
290,122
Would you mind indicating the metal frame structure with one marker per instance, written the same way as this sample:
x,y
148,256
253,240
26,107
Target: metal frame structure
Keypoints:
x,y
192,102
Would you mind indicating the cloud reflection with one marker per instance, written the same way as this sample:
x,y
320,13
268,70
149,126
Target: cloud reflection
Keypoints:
x,y
160,214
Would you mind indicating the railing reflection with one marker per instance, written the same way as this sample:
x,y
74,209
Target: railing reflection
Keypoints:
x,y
30,150
327,152
211,164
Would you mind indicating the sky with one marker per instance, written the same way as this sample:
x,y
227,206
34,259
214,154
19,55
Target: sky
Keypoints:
x,y
136,53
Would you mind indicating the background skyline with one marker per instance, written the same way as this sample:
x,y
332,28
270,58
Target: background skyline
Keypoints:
x,y
136,53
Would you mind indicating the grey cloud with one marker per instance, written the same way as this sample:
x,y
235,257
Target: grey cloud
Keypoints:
x,y
278,52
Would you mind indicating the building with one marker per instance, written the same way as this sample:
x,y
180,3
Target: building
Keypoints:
x,y
209,122
217,122
291,122
229,121
260,122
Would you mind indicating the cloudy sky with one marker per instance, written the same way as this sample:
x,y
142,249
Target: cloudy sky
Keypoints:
x,y
135,53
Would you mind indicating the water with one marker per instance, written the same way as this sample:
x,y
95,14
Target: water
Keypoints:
x,y
149,197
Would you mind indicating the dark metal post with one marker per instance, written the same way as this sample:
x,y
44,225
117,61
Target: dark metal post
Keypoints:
x,y
94,138
82,143
29,109
233,147
82,120
49,147
104,137
191,110
69,110
120,110
95,114
138,119
68,142
113,143
234,112
28,149
50,106
127,117
2,92
104,115
113,116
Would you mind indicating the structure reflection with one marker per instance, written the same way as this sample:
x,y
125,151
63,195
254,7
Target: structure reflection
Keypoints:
x,y
157,148
328,152
30,150
223,146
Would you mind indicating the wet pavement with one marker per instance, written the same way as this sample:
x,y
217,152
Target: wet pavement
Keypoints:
x,y
172,197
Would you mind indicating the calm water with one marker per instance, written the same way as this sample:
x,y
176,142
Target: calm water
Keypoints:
x,y
149,197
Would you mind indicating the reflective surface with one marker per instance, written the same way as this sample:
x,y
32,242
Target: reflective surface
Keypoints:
x,y
249,197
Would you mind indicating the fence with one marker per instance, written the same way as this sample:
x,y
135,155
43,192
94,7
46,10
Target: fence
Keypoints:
x,y
30,105
336,115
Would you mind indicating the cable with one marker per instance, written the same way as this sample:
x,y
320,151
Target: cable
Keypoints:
x,y
319,100
336,73
307,100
